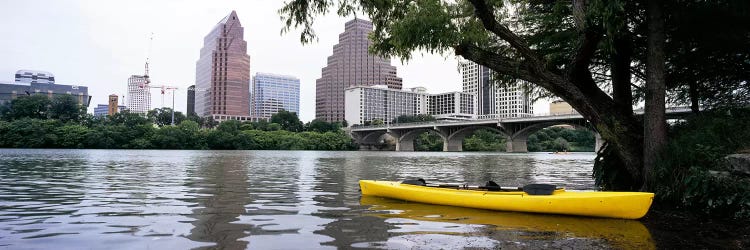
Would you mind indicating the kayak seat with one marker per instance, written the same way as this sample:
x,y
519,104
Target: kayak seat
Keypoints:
x,y
539,189
418,182
491,186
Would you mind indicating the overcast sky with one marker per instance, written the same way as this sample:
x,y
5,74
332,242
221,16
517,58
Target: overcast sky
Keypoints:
x,y
99,44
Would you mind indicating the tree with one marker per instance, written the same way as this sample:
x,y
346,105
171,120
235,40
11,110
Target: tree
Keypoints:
x,y
33,106
322,126
565,48
195,118
288,121
66,108
163,116
414,118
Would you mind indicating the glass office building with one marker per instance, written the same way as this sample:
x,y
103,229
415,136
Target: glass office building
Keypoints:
x,y
271,93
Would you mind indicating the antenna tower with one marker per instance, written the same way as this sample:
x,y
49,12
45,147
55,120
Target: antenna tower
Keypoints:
x,y
148,55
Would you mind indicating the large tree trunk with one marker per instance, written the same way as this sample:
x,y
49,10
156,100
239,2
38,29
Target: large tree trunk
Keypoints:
x,y
694,98
621,79
655,126
576,86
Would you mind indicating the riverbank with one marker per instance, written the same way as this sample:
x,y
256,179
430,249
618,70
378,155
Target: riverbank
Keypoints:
x,y
676,229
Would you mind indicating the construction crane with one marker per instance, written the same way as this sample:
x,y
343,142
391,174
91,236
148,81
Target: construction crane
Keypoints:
x,y
164,89
147,80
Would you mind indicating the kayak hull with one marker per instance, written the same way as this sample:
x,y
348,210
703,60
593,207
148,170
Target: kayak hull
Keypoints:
x,y
624,205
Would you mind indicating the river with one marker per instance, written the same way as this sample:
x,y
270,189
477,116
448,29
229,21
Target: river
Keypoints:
x,y
177,199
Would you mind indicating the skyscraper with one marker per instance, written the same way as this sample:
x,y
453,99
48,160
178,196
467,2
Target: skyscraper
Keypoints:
x,y
222,73
191,100
351,65
271,93
509,101
139,95
477,80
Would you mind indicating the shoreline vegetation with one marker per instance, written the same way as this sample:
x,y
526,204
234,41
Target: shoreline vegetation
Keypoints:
x,y
38,122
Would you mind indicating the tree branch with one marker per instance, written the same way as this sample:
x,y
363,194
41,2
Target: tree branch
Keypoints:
x,y
485,13
497,63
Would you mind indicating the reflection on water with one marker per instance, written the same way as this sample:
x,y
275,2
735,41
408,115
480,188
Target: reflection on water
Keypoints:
x,y
72,199
503,229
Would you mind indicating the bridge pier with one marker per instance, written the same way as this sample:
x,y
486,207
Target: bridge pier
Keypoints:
x,y
405,144
516,145
454,144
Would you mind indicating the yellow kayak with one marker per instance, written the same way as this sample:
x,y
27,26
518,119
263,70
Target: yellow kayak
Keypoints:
x,y
625,205
619,234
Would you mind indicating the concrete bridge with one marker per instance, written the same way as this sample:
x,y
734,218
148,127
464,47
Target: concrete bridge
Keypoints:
x,y
516,130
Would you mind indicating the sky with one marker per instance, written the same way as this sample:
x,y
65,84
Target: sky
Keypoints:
x,y
100,43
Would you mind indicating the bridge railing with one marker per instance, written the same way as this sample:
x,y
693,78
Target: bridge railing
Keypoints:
x,y
500,118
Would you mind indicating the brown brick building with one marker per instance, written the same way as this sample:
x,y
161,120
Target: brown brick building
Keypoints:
x,y
351,65
222,73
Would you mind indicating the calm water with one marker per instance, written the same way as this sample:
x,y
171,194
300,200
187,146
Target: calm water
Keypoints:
x,y
159,199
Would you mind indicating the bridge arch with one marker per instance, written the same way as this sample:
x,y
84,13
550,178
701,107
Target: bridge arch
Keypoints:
x,y
517,141
455,140
405,142
372,140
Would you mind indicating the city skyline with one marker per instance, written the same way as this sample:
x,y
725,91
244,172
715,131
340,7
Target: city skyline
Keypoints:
x,y
107,49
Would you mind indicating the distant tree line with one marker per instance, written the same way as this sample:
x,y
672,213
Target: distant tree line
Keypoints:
x,y
39,122
545,140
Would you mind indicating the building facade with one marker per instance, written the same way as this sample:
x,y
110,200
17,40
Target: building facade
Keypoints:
x,y
368,103
560,107
103,109
32,82
477,80
25,77
492,100
9,92
452,106
139,94
513,101
351,65
112,108
191,100
271,93
222,73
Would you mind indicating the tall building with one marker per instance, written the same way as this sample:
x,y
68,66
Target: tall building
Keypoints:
x,y
222,73
492,100
513,101
191,100
113,105
368,103
271,93
139,94
477,80
32,82
351,65
27,77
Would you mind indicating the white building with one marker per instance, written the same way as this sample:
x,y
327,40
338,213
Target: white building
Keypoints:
x,y
452,106
369,103
492,100
270,93
139,95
